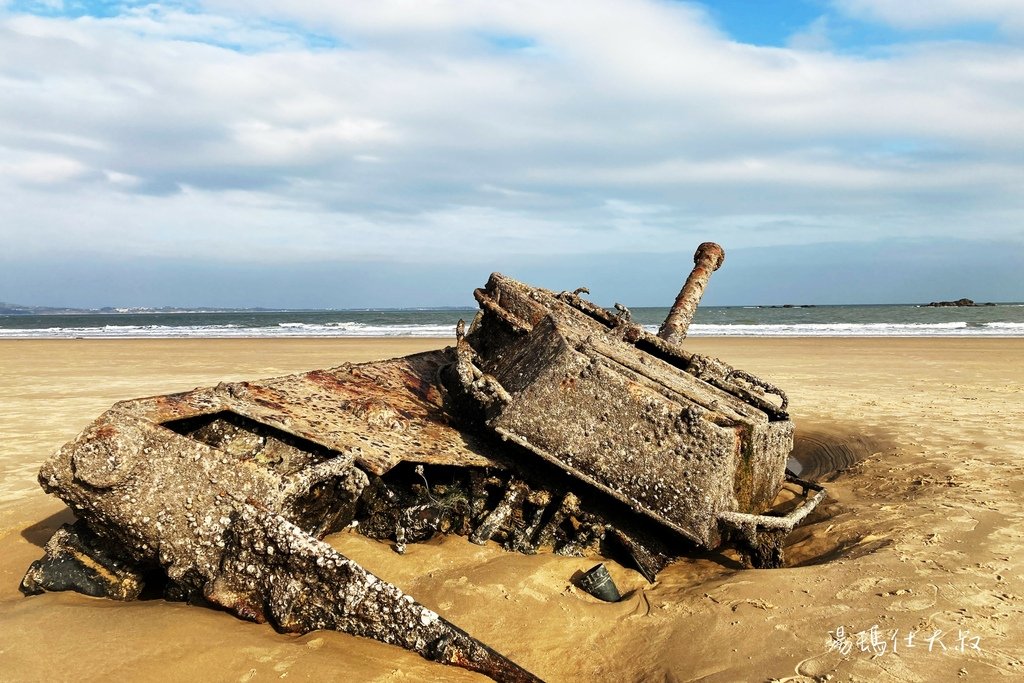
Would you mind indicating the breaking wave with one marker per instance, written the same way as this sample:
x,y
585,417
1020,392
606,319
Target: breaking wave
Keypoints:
x,y
1003,320
357,329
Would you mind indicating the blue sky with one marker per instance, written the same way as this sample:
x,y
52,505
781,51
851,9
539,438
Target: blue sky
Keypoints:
x,y
300,153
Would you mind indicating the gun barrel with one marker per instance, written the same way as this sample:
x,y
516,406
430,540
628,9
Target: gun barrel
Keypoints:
x,y
706,260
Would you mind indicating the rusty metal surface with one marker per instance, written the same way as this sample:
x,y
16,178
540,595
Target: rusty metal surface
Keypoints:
x,y
235,522
554,424
707,259
272,571
575,389
382,413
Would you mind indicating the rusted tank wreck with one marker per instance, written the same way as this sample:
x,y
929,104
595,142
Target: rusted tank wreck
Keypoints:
x,y
551,425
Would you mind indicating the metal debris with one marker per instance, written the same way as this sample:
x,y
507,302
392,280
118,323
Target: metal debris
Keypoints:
x,y
552,425
598,582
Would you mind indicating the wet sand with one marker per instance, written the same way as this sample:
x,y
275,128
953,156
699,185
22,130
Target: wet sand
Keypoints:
x,y
922,537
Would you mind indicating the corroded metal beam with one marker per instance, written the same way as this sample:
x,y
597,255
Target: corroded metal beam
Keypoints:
x,y
273,571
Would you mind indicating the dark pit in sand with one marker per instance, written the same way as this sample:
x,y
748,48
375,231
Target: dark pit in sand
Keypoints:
x,y
823,452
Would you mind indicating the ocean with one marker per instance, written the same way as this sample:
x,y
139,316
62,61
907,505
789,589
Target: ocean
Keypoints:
x,y
1001,320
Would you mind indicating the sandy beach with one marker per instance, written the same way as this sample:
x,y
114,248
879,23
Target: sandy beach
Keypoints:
x,y
918,545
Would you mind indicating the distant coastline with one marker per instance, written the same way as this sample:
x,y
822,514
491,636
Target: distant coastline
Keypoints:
x,y
18,309
964,302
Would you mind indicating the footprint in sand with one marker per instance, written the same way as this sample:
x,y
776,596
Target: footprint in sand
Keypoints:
x,y
901,596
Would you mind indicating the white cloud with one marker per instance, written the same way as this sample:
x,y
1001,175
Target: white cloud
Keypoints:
x,y
455,130
44,169
271,143
918,14
815,36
